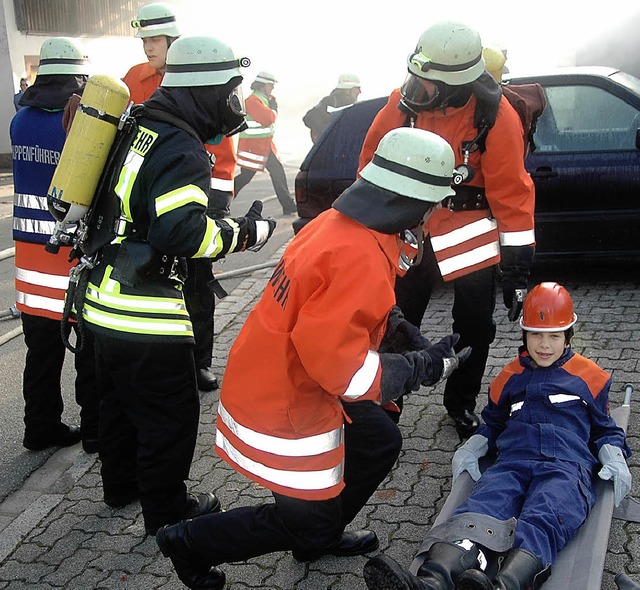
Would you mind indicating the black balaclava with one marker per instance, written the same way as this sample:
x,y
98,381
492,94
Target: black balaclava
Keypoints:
x,y
204,108
52,91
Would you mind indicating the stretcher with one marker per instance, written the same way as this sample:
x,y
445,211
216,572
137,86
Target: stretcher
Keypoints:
x,y
580,564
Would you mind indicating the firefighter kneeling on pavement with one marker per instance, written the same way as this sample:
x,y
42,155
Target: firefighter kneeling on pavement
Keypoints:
x,y
134,304
301,407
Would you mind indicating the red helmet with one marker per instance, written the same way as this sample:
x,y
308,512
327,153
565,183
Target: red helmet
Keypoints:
x,y
548,308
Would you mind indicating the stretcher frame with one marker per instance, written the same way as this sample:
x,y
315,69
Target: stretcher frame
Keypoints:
x,y
581,563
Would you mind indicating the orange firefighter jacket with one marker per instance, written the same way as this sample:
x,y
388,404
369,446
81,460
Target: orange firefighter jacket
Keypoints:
x,y
256,143
310,343
142,80
466,241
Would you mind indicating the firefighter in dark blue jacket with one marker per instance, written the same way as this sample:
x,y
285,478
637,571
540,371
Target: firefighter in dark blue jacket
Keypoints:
x,y
134,304
548,420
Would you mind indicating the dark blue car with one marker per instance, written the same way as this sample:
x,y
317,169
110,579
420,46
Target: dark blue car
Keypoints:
x,y
585,163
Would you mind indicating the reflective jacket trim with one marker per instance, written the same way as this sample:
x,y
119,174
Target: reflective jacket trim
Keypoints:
x,y
364,377
255,130
137,325
27,201
33,226
184,195
518,238
127,178
301,447
468,259
462,234
299,480
212,242
37,302
516,407
252,161
561,398
42,279
220,184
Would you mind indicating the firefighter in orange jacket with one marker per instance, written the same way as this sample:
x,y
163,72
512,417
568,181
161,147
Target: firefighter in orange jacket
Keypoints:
x,y
305,420
157,26
490,219
256,150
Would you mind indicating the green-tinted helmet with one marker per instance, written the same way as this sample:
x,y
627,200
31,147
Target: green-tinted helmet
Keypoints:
x,y
201,61
156,19
450,52
62,55
265,78
414,163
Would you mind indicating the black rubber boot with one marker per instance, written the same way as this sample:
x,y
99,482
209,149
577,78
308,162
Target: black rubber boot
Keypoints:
x,y
521,570
444,563
474,580
175,543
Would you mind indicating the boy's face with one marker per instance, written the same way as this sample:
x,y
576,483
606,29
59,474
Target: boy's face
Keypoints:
x,y
155,48
545,348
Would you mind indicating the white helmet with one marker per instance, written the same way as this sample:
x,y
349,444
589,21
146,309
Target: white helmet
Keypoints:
x,y
62,55
347,81
201,61
414,163
265,78
450,52
156,19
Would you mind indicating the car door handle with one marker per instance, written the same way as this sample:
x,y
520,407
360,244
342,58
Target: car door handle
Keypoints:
x,y
544,172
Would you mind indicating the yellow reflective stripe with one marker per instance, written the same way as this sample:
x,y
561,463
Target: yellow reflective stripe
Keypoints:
x,y
126,179
42,279
179,197
518,238
40,302
462,234
307,446
364,377
467,259
137,325
299,480
134,303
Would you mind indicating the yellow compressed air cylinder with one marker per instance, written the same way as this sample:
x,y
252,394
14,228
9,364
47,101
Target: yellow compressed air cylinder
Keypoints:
x,y
86,148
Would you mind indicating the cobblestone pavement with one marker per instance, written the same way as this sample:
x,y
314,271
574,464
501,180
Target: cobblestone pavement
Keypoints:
x,y
57,533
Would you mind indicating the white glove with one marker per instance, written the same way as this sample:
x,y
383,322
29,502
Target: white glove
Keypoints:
x,y
615,467
467,456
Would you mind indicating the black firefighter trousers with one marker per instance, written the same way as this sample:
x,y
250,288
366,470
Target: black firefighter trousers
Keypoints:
x,y
149,413
474,301
372,445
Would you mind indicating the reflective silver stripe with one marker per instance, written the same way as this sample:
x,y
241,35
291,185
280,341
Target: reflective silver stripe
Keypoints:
x,y
34,226
467,259
42,279
364,377
462,234
561,398
179,197
251,156
308,446
298,480
40,302
515,407
218,184
134,325
518,238
30,202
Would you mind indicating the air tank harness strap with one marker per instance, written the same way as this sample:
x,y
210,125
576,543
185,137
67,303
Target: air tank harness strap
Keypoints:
x,y
102,115
78,281
467,198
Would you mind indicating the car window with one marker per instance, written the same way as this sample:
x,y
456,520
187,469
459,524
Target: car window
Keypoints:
x,y
585,119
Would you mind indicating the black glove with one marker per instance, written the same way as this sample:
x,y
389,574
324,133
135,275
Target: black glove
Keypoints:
x,y
515,266
273,103
259,229
401,335
402,373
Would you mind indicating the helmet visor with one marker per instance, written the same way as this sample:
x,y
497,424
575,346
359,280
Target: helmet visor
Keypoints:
x,y
418,92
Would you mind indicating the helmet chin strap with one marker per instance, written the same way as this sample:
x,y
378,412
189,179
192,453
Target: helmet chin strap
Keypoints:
x,y
416,242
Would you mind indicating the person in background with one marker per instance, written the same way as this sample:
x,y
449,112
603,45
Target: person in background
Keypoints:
x,y
488,226
547,419
300,409
256,150
37,137
24,84
134,303
156,24
344,94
